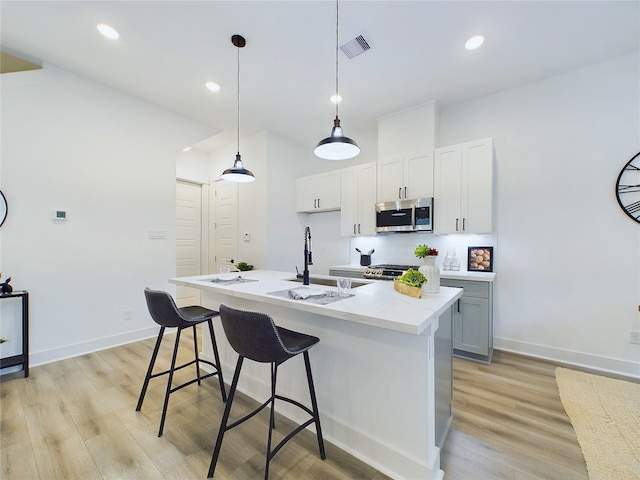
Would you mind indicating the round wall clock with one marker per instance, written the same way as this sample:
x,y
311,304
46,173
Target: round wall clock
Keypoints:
x,y
3,208
628,188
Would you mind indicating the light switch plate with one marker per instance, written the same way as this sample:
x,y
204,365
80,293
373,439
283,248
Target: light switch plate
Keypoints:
x,y
157,235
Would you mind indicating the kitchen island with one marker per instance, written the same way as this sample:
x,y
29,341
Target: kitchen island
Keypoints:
x,y
379,369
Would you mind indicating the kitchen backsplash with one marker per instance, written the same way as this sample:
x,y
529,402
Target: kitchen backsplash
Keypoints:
x,y
398,247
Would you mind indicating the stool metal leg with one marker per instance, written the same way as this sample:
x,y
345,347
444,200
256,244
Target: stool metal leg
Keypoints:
x,y
217,359
169,381
274,375
195,350
271,452
225,418
150,369
314,405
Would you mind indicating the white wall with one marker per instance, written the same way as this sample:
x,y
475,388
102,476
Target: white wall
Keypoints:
x,y
193,165
110,160
569,259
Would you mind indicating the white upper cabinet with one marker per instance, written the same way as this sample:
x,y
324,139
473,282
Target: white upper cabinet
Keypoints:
x,y
358,198
463,187
406,141
406,177
318,193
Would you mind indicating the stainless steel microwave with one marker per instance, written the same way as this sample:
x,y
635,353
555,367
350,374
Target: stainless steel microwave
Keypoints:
x,y
405,216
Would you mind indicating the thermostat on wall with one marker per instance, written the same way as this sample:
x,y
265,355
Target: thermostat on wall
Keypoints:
x,y
59,214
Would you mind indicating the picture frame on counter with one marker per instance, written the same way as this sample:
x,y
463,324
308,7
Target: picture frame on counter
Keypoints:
x,y
480,259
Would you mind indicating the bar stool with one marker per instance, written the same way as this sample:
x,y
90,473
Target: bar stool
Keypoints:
x,y
255,336
165,313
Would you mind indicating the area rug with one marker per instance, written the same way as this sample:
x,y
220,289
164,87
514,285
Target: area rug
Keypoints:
x,y
605,414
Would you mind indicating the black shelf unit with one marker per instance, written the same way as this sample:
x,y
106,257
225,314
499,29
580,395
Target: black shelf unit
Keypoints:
x,y
22,358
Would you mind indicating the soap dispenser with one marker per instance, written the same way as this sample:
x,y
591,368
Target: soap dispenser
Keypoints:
x,y
447,261
455,263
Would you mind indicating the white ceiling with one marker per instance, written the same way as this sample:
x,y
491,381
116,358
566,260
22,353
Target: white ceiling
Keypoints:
x,y
169,49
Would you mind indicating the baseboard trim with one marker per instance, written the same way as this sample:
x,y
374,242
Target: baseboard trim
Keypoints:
x,y
70,351
568,357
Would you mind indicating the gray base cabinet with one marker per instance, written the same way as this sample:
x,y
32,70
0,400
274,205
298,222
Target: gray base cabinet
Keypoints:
x,y
473,320
443,368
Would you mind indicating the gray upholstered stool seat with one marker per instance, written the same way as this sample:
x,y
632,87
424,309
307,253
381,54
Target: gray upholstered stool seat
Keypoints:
x,y
165,313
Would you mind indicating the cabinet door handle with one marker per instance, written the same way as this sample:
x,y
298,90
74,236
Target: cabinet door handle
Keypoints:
x,y
405,192
358,228
314,203
354,228
400,193
463,223
456,224
458,305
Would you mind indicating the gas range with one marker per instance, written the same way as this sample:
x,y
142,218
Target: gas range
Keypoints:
x,y
386,271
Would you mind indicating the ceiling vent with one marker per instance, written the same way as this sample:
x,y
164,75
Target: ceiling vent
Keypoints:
x,y
355,47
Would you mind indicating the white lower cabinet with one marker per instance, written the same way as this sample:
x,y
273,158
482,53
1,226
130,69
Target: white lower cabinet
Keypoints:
x,y
472,319
463,188
358,200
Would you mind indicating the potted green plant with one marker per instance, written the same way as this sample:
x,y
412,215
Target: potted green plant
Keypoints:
x,y
423,251
429,269
244,266
410,283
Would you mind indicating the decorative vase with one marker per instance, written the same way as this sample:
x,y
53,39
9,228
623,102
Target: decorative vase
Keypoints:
x,y
432,273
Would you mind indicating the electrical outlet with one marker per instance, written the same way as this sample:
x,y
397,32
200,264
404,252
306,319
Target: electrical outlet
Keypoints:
x,y
634,337
128,315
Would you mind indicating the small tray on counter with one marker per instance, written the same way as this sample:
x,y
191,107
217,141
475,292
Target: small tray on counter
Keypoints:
x,y
232,280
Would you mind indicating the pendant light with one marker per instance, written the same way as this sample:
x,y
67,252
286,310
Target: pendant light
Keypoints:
x,y
238,173
337,146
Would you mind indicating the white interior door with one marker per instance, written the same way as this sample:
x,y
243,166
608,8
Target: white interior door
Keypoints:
x,y
225,243
188,239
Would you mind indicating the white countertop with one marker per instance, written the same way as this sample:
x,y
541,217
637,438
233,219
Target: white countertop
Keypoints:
x,y
376,304
451,274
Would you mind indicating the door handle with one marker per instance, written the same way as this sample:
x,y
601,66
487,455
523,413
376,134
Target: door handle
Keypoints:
x,y
456,224
400,193
358,228
354,228
463,224
405,192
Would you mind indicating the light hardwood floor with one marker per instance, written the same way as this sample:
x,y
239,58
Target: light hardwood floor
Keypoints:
x,y
76,419
509,423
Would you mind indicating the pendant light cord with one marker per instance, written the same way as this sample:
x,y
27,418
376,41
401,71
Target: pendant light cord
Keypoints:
x,y
337,98
238,115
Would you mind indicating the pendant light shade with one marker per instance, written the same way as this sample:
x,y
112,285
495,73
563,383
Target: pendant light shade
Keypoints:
x,y
336,146
238,173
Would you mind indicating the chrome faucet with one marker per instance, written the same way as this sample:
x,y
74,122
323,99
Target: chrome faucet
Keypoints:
x,y
307,256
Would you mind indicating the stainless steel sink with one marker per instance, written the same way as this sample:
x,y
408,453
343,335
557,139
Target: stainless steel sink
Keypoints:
x,y
329,282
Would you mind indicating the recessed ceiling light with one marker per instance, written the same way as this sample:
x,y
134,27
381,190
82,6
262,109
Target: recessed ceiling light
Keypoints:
x,y
186,149
108,31
474,42
335,98
213,86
